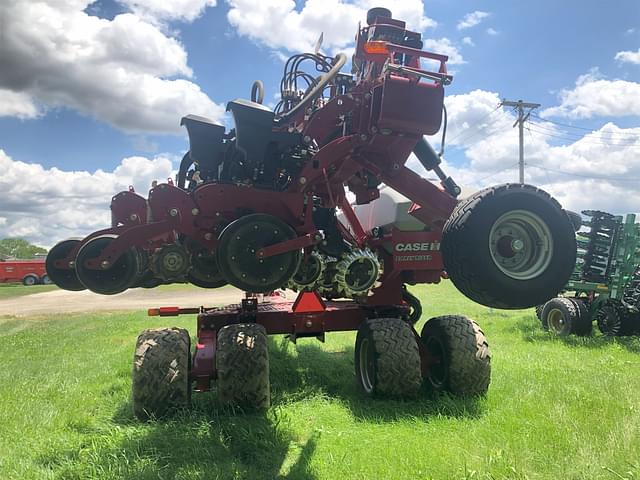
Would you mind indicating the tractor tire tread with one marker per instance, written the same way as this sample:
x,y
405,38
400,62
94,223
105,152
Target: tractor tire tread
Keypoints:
x,y
470,357
242,363
397,356
583,325
161,372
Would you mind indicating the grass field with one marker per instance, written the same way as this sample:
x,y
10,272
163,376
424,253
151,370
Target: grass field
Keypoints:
x,y
556,409
12,290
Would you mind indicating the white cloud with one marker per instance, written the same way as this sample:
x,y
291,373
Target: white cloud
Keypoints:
x,y
121,71
492,31
596,96
472,19
279,24
16,104
163,10
445,47
468,41
629,56
47,205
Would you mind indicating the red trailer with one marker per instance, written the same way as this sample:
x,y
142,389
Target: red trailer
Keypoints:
x,y
29,272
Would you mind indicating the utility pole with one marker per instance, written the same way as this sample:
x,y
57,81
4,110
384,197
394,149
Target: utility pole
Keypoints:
x,y
521,106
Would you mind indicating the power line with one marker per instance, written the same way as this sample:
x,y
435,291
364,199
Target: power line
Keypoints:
x,y
476,126
577,135
576,127
496,172
590,177
583,139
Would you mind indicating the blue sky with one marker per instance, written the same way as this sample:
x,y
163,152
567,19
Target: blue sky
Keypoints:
x,y
91,93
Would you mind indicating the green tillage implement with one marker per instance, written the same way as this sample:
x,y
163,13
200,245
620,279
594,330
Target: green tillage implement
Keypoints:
x,y
605,285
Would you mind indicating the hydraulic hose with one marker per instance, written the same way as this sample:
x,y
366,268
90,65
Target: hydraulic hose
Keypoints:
x,y
323,81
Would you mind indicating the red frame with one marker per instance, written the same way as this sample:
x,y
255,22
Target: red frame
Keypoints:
x,y
279,316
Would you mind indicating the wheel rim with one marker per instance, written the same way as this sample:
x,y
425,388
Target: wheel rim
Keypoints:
x,y
437,367
365,361
520,244
29,281
556,320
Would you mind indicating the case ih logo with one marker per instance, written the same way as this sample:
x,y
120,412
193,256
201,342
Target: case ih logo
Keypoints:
x,y
417,247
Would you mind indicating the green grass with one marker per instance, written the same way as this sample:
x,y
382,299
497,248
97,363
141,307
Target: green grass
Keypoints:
x,y
556,409
13,290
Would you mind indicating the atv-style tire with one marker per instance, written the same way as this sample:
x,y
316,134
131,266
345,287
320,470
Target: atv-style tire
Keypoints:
x,y
560,316
242,362
584,323
387,358
459,354
510,246
161,365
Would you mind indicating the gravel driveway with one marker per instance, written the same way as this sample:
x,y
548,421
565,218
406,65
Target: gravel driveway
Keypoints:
x,y
62,301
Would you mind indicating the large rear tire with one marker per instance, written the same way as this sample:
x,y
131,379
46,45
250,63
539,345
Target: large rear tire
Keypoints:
x,y
161,367
460,360
387,358
510,246
242,362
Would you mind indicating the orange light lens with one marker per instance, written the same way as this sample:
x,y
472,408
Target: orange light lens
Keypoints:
x,y
376,47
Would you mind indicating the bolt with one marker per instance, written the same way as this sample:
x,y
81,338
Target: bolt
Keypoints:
x,y
105,264
308,324
306,139
133,217
208,236
195,211
517,245
363,137
72,264
302,180
374,129
173,212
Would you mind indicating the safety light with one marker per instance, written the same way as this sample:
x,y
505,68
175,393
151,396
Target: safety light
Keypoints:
x,y
376,47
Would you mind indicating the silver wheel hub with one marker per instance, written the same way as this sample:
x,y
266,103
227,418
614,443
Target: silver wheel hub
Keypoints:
x,y
521,244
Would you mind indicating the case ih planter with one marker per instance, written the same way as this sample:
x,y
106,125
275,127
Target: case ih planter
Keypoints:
x,y
256,207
